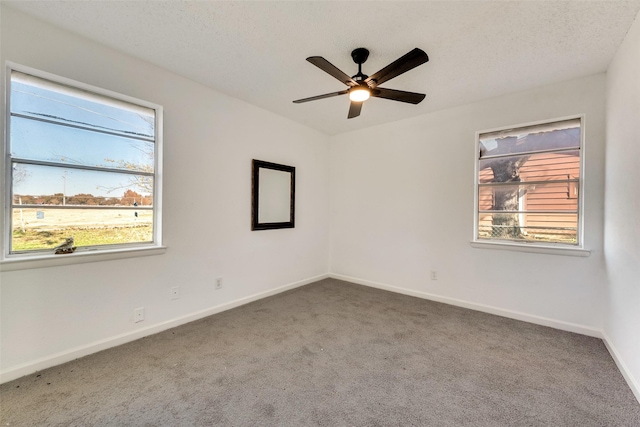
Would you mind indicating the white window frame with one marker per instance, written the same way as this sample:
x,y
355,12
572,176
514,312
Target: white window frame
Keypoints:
x,y
36,259
535,247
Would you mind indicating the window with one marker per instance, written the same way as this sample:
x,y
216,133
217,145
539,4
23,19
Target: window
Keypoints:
x,y
528,184
81,162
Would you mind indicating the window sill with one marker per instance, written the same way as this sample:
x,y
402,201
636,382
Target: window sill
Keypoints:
x,y
51,260
538,249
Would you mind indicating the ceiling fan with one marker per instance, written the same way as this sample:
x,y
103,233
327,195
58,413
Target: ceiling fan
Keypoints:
x,y
361,86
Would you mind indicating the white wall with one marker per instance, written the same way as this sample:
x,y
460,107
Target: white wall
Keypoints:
x,y
209,142
622,201
402,205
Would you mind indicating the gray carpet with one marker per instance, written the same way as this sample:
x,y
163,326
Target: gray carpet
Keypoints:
x,y
335,354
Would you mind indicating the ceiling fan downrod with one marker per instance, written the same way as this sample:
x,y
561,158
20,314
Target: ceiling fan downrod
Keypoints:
x,y
360,56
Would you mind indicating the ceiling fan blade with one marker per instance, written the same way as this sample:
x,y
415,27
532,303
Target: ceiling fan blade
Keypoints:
x,y
326,95
401,65
398,95
354,109
331,69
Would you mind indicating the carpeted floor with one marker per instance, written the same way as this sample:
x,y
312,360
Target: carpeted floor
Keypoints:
x,y
335,354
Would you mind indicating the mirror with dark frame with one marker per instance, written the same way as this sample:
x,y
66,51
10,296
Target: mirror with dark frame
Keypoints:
x,y
272,195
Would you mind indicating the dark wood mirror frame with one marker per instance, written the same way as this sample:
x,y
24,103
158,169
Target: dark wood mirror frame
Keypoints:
x,y
255,196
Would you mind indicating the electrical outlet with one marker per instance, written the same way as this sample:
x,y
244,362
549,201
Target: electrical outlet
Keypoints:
x,y
175,292
434,275
219,283
138,314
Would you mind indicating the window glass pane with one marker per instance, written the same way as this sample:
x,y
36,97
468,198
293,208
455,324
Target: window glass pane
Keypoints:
x,y
528,227
45,228
51,185
546,137
533,167
40,98
36,140
557,196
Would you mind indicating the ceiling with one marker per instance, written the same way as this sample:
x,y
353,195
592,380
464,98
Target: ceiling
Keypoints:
x,y
256,51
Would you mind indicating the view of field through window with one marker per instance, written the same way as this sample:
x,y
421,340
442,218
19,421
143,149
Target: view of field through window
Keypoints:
x,y
82,166
528,183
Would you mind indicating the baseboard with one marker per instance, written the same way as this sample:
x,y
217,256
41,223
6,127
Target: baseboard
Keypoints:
x,y
85,350
538,320
624,369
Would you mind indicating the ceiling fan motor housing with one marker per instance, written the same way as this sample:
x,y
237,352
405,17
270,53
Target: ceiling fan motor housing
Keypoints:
x,y
360,55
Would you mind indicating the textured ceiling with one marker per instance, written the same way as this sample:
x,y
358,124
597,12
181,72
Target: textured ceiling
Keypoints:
x,y
256,51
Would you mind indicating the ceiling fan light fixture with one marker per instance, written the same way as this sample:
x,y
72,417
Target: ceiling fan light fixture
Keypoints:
x,y
359,94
